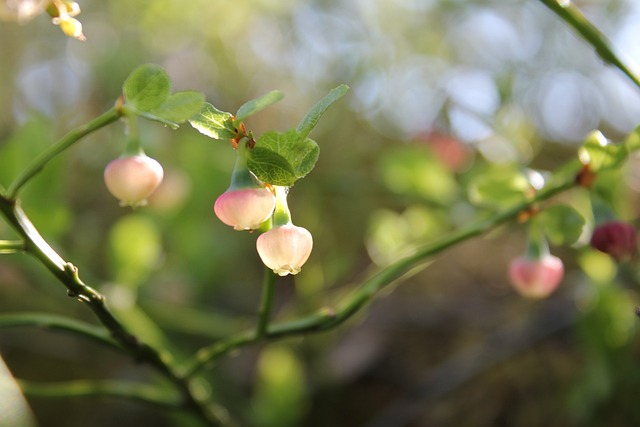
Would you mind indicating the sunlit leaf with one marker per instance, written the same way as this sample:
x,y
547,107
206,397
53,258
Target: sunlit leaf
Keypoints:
x,y
214,123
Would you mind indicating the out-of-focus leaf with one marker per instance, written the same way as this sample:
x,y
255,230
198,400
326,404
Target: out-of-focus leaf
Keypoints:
x,y
562,224
499,185
415,172
280,389
135,247
601,154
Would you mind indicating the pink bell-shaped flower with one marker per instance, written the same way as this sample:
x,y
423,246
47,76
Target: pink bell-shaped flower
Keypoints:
x,y
247,203
285,249
615,238
131,179
536,278
245,208
537,273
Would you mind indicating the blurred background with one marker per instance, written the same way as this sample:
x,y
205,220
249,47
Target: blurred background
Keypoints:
x,y
446,96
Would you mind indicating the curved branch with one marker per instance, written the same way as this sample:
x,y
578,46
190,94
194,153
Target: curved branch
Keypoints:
x,y
589,32
327,318
117,389
59,323
65,142
68,275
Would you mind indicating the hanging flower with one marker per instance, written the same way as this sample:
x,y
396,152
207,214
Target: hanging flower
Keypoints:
x,y
615,238
245,208
247,203
131,179
536,277
285,249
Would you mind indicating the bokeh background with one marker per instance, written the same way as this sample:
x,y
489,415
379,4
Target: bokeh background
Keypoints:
x,y
444,95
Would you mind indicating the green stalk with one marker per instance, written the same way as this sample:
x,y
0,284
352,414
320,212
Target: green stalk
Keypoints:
x,y
65,142
118,389
589,32
59,323
266,305
11,246
328,318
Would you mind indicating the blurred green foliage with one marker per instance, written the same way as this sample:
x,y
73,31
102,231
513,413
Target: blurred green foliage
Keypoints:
x,y
452,105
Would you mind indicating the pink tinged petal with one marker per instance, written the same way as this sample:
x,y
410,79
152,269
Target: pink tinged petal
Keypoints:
x,y
132,179
536,278
285,249
245,209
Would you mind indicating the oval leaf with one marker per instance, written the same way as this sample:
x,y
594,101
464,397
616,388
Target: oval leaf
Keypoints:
x,y
147,87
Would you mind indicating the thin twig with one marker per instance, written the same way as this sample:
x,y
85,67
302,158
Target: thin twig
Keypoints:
x,y
117,389
59,323
589,32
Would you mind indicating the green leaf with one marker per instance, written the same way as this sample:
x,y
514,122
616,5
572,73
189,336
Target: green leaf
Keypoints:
x,y
498,186
601,154
271,167
135,245
282,158
313,115
180,107
146,88
562,224
251,107
279,398
214,123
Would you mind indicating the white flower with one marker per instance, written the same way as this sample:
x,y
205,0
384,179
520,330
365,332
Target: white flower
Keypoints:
x,y
285,249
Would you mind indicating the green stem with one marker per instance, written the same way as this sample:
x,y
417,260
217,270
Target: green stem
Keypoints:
x,y
11,246
118,389
68,275
327,318
59,323
266,305
574,17
65,142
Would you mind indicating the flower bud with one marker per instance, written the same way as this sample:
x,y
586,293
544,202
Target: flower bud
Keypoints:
x,y
71,27
131,179
615,238
245,208
285,249
536,278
